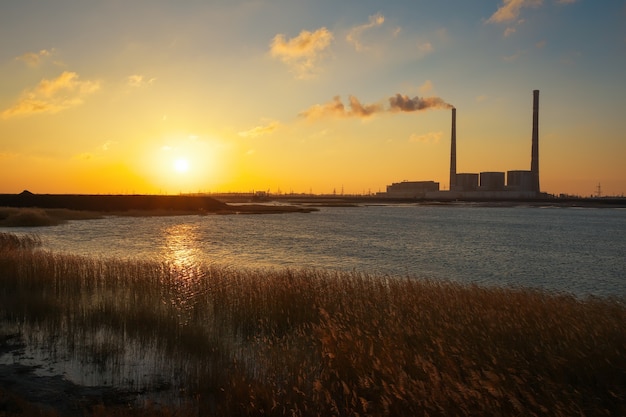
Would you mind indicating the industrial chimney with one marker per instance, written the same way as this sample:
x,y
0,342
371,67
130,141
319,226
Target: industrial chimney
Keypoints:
x,y
534,162
453,152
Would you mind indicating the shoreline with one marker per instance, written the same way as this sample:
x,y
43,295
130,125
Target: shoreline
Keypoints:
x,y
34,210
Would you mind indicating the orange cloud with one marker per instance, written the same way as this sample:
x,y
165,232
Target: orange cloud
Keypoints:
x,y
511,9
260,130
137,80
336,108
430,137
52,96
302,52
33,59
354,35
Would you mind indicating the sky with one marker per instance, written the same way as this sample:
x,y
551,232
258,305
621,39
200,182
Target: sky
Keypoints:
x,y
315,96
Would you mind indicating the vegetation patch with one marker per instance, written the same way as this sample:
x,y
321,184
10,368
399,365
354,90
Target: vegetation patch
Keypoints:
x,y
37,217
310,343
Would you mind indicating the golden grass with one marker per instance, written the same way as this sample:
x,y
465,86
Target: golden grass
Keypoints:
x,y
317,343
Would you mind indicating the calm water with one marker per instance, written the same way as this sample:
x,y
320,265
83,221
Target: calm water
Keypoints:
x,y
579,251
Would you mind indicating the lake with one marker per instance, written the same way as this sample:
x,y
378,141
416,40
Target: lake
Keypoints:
x,y
572,250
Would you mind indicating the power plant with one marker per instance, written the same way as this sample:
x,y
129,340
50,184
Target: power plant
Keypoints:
x,y
485,185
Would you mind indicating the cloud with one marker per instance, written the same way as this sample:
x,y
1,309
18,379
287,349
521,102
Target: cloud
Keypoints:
x,y
107,145
33,59
426,87
355,33
7,155
511,9
260,130
52,96
512,58
336,108
509,31
430,137
397,103
302,52
137,81
424,48
85,156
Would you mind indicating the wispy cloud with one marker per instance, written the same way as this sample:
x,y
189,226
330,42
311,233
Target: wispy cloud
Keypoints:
x,y
426,88
512,58
511,9
424,48
85,156
430,137
355,109
107,145
260,130
34,59
302,52
509,31
354,36
52,96
7,155
138,81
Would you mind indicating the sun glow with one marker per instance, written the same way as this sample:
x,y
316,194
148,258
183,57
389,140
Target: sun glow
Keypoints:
x,y
185,164
181,165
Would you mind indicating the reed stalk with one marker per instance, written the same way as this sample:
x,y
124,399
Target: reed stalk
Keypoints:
x,y
312,343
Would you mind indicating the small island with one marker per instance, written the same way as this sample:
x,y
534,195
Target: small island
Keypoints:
x,y
28,209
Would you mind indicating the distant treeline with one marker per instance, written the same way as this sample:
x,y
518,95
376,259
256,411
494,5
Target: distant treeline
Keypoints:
x,y
111,203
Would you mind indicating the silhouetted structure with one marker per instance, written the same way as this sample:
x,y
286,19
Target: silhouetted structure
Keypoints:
x,y
453,152
491,181
534,162
412,189
486,185
519,184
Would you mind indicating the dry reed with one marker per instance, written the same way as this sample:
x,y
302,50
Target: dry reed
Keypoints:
x,y
318,343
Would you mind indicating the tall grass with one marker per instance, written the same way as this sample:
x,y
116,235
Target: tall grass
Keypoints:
x,y
317,343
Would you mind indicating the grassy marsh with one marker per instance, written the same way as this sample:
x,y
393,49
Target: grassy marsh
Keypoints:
x,y
311,343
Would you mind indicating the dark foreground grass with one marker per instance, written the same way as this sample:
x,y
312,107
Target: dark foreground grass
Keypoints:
x,y
312,343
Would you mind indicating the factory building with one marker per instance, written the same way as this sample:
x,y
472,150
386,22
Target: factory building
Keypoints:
x,y
491,181
486,185
411,189
520,180
466,182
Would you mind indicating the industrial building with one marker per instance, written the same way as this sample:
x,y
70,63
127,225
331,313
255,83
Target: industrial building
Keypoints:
x,y
412,189
485,185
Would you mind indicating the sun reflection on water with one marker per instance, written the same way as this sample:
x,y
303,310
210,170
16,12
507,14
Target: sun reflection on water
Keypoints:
x,y
181,257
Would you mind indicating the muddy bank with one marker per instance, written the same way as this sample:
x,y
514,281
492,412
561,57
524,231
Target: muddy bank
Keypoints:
x,y
29,388
22,389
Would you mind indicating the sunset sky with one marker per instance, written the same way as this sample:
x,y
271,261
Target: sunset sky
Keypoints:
x,y
159,96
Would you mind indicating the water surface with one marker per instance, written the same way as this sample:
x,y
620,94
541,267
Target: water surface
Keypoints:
x,y
574,250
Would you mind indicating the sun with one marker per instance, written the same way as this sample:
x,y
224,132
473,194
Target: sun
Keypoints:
x,y
181,165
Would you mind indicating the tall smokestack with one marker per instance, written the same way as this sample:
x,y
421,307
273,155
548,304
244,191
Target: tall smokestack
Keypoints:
x,y
534,162
453,152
